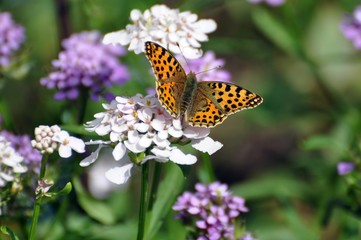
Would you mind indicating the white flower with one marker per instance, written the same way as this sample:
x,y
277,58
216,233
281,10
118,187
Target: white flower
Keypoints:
x,y
67,143
11,163
140,126
166,26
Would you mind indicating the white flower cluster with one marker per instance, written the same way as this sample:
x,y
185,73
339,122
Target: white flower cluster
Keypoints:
x,y
165,26
140,127
10,162
49,139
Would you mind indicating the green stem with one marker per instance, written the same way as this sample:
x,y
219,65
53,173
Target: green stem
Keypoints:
x,y
155,184
38,200
82,105
208,168
143,201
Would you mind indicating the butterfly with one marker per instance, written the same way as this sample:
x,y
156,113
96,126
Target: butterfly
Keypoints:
x,y
202,104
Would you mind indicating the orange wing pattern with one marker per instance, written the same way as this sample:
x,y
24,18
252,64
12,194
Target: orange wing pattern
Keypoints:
x,y
215,101
170,77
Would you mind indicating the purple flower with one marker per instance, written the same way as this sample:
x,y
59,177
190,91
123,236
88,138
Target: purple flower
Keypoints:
x,y
22,145
212,209
207,68
11,38
351,27
85,63
269,2
345,167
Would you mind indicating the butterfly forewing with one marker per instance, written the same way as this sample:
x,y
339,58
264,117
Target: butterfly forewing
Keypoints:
x,y
170,77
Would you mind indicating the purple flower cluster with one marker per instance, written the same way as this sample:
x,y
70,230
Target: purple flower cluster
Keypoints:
x,y
22,145
269,2
11,38
351,27
85,63
207,68
344,168
213,210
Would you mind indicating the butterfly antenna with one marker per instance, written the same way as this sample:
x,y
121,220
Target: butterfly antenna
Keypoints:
x,y
185,59
211,69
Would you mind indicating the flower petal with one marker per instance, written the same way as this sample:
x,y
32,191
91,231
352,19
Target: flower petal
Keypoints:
x,y
207,145
64,151
77,144
119,175
91,158
178,157
119,151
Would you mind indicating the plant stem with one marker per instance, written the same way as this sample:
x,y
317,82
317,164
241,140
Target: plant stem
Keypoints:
x,y
208,168
143,201
38,200
155,184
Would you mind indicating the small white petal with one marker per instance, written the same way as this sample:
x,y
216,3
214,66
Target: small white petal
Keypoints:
x,y
6,177
119,175
142,127
64,151
163,135
205,25
145,141
134,147
119,37
97,142
158,123
135,15
207,145
161,153
178,157
133,136
177,124
192,53
19,168
175,132
60,136
119,151
77,144
103,129
196,132
91,158
161,142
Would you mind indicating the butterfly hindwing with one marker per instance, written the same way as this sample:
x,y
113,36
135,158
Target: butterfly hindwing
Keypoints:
x,y
230,97
215,101
203,112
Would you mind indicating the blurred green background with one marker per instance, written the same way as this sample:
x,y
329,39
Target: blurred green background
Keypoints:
x,y
281,156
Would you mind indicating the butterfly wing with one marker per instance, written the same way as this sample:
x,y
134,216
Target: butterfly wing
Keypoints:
x,y
215,101
170,77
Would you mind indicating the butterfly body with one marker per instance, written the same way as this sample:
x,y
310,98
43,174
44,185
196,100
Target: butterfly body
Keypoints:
x,y
202,104
190,89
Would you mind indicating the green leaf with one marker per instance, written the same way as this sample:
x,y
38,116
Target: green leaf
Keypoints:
x,y
65,191
318,142
275,31
94,208
169,188
7,231
276,184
